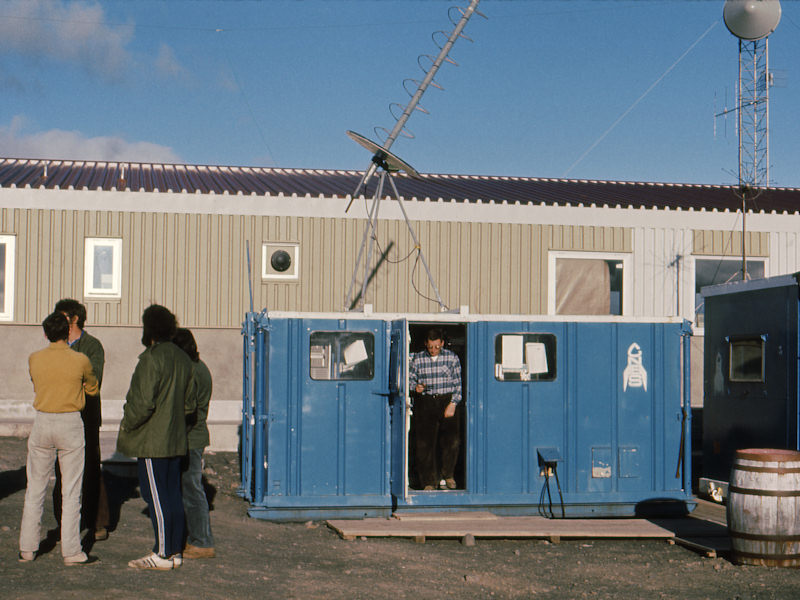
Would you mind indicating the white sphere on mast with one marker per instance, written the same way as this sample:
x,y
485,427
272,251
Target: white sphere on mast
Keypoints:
x,y
751,19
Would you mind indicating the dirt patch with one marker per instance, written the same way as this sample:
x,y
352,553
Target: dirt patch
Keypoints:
x,y
307,560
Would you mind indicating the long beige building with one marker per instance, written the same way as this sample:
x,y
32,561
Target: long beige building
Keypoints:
x,y
203,239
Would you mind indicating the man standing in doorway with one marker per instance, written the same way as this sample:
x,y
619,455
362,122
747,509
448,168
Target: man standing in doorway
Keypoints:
x,y
435,380
94,507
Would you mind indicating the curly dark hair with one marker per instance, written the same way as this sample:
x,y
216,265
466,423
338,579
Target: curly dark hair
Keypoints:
x,y
158,325
72,308
56,326
185,341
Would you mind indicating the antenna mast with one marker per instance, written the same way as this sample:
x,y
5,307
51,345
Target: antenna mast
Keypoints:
x,y
752,21
389,163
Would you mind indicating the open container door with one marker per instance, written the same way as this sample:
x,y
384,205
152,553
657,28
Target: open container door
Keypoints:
x,y
399,413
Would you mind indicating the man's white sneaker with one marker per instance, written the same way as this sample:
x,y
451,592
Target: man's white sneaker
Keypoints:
x,y
152,561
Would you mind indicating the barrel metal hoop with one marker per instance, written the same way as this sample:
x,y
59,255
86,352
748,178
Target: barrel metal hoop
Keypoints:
x,y
778,470
768,455
765,556
771,493
760,537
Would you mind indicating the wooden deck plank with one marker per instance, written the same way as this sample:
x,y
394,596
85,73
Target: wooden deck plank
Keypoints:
x,y
501,527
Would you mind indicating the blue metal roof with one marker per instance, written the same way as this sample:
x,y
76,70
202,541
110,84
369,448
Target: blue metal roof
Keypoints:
x,y
206,179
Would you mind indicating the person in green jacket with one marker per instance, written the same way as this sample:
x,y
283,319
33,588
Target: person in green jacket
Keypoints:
x,y
95,514
199,539
153,429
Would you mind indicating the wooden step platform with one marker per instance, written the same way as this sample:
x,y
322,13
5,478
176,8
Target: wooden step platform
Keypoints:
x,y
704,532
486,525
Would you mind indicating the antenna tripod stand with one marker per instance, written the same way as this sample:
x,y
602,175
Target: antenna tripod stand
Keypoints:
x,y
370,236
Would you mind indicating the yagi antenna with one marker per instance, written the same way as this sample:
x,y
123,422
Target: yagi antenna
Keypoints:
x,y
430,73
388,162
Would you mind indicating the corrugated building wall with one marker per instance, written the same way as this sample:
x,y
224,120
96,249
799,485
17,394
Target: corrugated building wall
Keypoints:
x,y
196,263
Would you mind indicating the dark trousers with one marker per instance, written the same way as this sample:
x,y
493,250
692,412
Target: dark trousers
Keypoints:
x,y
437,439
95,513
160,486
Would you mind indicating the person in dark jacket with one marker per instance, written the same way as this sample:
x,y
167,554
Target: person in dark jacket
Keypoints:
x,y
95,515
153,429
199,539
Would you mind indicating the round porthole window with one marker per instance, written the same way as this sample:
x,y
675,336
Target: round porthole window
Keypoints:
x,y
281,260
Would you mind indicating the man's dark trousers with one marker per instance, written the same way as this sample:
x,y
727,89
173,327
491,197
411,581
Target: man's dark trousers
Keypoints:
x,y
437,439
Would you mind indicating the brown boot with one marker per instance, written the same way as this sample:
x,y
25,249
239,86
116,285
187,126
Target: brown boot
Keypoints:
x,y
198,552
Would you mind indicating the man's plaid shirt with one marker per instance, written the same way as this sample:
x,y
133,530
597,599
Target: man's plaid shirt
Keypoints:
x,y
440,376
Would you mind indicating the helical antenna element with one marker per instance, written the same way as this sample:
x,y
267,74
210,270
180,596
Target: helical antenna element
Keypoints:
x,y
430,72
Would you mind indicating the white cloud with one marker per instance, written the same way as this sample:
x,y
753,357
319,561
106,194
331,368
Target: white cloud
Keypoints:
x,y
73,32
168,64
73,145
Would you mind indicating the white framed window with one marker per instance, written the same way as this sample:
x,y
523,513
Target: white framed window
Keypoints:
x,y
589,283
280,260
102,276
7,248
713,270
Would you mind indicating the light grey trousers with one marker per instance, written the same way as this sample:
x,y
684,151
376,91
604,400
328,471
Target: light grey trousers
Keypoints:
x,y
54,435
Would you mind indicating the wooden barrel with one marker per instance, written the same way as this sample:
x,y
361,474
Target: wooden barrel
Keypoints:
x,y
764,508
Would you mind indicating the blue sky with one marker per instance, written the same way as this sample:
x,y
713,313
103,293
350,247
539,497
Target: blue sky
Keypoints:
x,y
548,88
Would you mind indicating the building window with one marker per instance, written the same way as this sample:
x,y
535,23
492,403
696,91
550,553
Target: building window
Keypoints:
x,y
7,277
712,271
336,355
280,260
103,268
525,357
588,283
746,359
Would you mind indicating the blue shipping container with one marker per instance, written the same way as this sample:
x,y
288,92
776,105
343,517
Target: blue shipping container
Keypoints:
x,y
560,417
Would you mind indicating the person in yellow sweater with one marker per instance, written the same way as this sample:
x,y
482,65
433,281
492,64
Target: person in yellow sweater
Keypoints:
x,y
61,379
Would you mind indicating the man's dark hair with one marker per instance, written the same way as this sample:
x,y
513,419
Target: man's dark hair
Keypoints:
x,y
185,341
72,308
158,325
56,327
435,334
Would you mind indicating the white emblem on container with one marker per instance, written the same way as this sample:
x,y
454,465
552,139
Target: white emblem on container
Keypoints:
x,y
634,375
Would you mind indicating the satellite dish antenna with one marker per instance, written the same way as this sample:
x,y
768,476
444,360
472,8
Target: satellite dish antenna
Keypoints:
x,y
751,19
383,158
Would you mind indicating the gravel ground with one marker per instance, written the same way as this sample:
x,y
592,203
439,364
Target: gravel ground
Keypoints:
x,y
258,559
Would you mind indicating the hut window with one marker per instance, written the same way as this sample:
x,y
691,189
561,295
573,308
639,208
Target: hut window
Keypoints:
x,y
586,283
712,271
337,355
525,357
103,268
7,277
747,359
